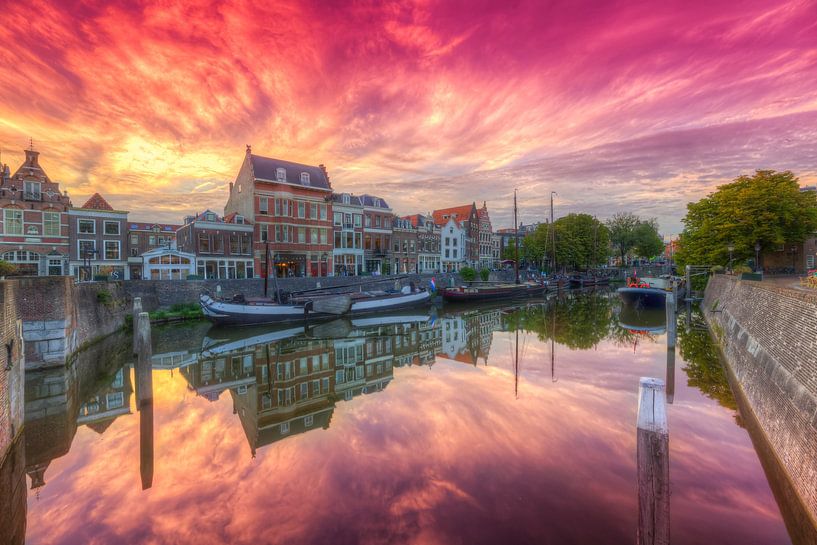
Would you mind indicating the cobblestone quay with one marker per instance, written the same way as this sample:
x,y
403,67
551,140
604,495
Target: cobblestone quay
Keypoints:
x,y
768,335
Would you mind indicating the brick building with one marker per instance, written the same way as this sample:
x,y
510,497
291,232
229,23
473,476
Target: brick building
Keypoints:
x,y
347,223
485,233
222,245
34,234
98,240
12,368
467,218
377,233
428,242
291,207
145,237
404,247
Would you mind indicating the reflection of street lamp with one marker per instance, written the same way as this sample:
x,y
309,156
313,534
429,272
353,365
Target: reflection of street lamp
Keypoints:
x,y
757,256
731,249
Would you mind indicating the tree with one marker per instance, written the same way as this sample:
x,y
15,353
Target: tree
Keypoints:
x,y
766,208
630,234
581,242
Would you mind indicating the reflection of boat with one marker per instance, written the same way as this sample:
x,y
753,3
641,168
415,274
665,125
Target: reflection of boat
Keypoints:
x,y
584,281
314,308
644,320
646,292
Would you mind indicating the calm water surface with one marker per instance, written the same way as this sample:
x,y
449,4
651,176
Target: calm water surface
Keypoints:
x,y
425,429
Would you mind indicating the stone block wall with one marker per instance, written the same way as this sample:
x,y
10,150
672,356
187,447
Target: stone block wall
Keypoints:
x,y
12,368
768,335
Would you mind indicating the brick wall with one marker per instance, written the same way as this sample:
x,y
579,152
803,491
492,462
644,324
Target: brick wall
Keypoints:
x,y
769,337
12,373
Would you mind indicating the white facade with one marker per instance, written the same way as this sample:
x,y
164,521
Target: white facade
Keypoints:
x,y
347,223
452,247
167,264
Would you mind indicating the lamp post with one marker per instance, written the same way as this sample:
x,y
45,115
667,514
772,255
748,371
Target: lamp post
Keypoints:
x,y
731,249
87,257
757,256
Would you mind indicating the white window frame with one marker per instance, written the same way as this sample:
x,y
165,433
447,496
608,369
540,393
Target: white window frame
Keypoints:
x,y
280,174
263,206
9,212
86,220
105,228
309,421
305,178
59,224
80,255
105,250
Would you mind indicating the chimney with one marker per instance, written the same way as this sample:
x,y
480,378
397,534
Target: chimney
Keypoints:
x,y
323,169
249,149
231,188
31,158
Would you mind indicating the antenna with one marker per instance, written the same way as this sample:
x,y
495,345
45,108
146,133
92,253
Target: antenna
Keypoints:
x,y
31,144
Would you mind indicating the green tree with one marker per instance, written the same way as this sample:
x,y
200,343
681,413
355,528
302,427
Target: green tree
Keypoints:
x,y
630,235
767,208
582,241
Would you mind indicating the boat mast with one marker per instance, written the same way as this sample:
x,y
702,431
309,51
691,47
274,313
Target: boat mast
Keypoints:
x,y
553,230
515,238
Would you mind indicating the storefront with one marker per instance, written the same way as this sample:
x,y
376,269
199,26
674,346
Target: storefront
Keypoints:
x,y
167,264
225,268
348,265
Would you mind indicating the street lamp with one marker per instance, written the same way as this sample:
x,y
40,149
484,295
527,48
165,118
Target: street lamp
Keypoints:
x,y
757,256
731,249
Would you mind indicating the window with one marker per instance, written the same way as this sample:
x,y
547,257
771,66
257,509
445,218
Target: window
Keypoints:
x,y
112,228
112,249
377,221
285,425
304,390
277,207
309,421
301,209
32,191
314,236
263,232
204,244
51,224
280,175
810,262
323,237
314,214
263,205
86,249
210,217
134,240
325,383
337,218
323,212
86,227
151,240
304,178
368,221
302,235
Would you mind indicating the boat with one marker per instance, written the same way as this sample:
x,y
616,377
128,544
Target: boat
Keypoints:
x,y
646,292
311,308
581,281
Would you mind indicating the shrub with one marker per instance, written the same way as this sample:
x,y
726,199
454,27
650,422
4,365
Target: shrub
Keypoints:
x,y
194,277
740,269
468,274
104,297
717,269
6,268
485,274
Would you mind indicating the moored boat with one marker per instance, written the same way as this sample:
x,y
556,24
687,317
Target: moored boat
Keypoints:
x,y
645,292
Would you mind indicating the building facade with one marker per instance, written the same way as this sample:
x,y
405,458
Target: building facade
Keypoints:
x,y
145,237
377,233
34,234
223,246
453,246
428,243
291,207
467,219
98,241
484,236
347,227
404,247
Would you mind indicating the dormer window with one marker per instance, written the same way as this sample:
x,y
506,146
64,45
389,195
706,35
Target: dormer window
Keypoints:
x,y
377,203
210,217
281,174
346,199
239,219
304,178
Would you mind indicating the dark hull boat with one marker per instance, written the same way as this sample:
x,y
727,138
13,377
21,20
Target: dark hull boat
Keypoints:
x,y
325,307
467,294
645,292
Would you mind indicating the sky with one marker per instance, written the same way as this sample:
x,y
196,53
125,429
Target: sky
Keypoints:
x,y
617,106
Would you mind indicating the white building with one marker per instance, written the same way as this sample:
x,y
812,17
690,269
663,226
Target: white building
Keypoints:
x,y
167,264
347,226
452,249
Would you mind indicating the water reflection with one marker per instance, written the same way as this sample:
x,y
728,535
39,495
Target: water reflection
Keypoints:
x,y
403,424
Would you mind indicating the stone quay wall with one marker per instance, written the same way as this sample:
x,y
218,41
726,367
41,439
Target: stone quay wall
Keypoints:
x,y
768,336
12,368
163,294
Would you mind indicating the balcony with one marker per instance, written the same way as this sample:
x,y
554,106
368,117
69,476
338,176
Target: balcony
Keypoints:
x,y
32,196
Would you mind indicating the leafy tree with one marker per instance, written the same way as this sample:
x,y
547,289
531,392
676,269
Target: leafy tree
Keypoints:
x,y
766,208
484,274
581,242
468,274
629,234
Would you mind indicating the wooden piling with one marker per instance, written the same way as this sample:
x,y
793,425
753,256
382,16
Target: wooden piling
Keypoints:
x,y
670,375
137,309
144,396
672,324
653,464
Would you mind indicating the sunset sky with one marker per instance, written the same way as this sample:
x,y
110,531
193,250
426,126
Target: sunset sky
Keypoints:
x,y
636,106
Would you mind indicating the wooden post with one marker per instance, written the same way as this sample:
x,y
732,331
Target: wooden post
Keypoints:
x,y
672,328
144,397
137,309
670,375
653,464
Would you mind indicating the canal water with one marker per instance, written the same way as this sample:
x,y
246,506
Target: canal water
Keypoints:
x,y
497,424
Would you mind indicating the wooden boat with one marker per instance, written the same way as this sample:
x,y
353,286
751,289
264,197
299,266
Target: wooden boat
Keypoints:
x,y
314,308
491,292
582,281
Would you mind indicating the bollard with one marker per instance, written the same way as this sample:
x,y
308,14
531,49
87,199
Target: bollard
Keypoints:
x,y
144,397
672,328
652,437
137,309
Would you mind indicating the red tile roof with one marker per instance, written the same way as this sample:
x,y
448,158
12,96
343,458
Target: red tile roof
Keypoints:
x,y
96,202
459,213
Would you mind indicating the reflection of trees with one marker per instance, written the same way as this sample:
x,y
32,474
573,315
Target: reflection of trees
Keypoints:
x,y
578,321
703,364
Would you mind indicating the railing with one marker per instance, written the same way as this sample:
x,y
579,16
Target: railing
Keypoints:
x,y
32,196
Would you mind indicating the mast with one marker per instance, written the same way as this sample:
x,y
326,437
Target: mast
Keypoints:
x,y
553,230
515,238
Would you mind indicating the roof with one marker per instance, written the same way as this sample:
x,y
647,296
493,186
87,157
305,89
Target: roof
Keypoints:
x,y
97,202
374,201
459,213
229,218
415,219
353,199
265,168
146,226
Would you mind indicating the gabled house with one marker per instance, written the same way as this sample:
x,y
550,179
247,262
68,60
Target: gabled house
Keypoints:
x,y
467,218
98,240
222,245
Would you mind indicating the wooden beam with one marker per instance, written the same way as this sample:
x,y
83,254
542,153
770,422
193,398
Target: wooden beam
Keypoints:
x,y
653,463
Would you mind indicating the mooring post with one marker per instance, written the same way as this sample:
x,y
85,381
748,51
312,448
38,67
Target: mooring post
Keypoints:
x,y
670,375
137,308
672,326
144,397
653,463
